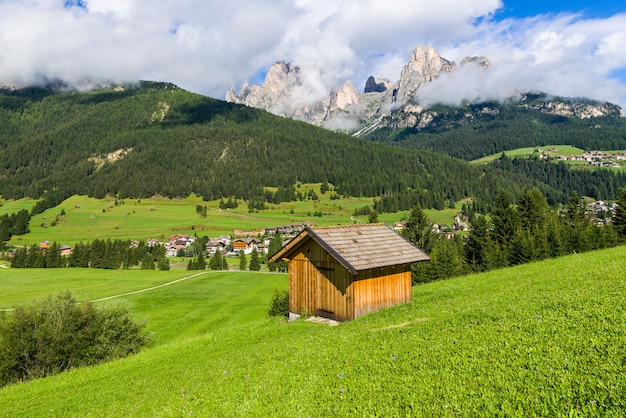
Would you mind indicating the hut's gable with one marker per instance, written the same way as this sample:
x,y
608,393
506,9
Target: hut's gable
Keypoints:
x,y
345,272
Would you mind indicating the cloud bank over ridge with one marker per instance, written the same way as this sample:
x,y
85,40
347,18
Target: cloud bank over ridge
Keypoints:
x,y
209,46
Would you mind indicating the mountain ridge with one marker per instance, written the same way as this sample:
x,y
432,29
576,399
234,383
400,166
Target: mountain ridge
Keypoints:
x,y
362,113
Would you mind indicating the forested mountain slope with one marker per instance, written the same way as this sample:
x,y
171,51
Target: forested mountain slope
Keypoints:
x,y
152,138
473,131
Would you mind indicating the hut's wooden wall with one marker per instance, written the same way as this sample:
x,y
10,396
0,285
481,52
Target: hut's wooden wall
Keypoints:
x,y
381,288
319,284
302,286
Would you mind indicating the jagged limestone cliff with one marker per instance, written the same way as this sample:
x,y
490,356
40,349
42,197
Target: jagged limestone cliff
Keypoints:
x,y
382,103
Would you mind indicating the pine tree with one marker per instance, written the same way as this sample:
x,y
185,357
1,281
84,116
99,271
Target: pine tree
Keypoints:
x,y
444,260
53,257
96,254
419,230
163,263
504,220
19,260
147,263
255,262
242,260
215,263
200,261
476,246
619,219
276,243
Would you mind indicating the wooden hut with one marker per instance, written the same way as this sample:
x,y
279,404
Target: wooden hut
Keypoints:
x,y
344,272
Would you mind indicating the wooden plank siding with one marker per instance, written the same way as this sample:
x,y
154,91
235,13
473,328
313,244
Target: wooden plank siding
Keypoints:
x,y
348,271
319,284
381,288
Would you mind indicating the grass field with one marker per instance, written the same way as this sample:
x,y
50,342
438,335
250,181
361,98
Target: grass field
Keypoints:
x,y
543,339
86,219
13,206
551,150
192,307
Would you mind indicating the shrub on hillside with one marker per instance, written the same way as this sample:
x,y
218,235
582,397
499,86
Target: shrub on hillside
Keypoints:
x,y
56,334
279,306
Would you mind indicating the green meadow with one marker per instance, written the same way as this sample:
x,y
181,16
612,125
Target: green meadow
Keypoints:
x,y
553,151
543,339
13,206
174,303
81,218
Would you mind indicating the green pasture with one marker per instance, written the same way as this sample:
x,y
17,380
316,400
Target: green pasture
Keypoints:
x,y
210,302
81,218
24,285
553,151
13,206
204,302
543,339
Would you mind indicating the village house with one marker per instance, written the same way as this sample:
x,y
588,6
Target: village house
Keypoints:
x,y
65,250
247,245
152,242
348,271
399,226
460,225
213,245
177,243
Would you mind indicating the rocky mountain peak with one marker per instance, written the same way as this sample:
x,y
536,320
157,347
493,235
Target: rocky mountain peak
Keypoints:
x,y
344,97
376,85
482,62
424,66
280,80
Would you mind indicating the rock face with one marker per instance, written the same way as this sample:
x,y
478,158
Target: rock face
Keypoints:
x,y
582,109
280,81
376,85
424,67
383,103
283,85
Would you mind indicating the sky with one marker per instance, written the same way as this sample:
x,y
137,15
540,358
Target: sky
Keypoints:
x,y
568,48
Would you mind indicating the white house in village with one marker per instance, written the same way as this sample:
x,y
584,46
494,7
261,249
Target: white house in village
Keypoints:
x,y
177,243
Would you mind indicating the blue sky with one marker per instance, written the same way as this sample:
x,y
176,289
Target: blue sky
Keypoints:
x,y
568,48
592,9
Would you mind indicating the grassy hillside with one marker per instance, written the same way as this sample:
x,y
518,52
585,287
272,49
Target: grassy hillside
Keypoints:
x,y
550,150
544,339
187,304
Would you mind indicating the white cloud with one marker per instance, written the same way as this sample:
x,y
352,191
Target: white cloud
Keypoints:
x,y
563,55
207,46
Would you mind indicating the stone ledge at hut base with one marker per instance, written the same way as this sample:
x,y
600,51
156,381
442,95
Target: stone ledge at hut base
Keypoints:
x,y
316,319
322,320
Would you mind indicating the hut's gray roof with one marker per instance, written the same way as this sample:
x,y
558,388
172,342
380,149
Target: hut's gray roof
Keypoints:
x,y
360,247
